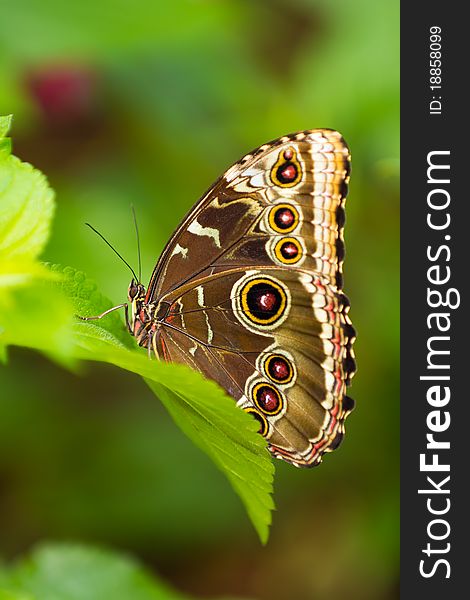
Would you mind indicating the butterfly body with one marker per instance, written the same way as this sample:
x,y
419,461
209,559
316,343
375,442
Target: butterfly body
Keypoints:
x,y
249,291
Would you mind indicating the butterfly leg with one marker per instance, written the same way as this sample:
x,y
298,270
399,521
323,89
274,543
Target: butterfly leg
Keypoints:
x,y
149,344
106,312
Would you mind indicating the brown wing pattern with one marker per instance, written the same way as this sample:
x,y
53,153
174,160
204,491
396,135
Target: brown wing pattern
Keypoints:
x,y
253,283
231,221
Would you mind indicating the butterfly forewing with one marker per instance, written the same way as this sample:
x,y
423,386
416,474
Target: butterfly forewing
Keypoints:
x,y
240,204
251,283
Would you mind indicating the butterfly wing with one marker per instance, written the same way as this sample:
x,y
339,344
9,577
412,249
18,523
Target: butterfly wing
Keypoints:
x,y
253,283
295,184
279,341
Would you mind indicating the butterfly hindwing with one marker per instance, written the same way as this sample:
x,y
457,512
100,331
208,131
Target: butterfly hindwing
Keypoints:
x,y
277,340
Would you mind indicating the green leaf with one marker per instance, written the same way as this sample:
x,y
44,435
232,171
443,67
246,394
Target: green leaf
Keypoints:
x,y
78,572
18,272
5,124
36,319
74,572
26,209
5,143
245,462
88,301
30,315
198,406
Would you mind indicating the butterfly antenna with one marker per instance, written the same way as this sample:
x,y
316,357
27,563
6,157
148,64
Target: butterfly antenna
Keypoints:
x,y
138,241
114,250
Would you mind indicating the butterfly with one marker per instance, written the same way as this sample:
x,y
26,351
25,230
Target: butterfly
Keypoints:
x,y
248,291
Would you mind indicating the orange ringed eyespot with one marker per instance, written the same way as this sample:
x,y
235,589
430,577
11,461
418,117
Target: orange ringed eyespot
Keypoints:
x,y
263,301
283,218
278,368
267,398
286,171
288,250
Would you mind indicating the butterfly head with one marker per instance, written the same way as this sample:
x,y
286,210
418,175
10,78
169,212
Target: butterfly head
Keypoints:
x,y
139,316
135,292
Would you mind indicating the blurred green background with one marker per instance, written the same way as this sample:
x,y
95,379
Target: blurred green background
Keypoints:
x,y
148,102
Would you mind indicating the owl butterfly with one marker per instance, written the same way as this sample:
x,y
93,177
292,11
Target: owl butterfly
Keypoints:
x,y
248,291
